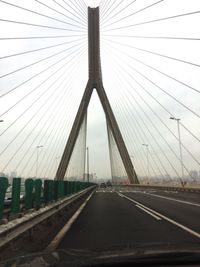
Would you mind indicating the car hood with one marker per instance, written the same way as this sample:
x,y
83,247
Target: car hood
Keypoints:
x,y
150,253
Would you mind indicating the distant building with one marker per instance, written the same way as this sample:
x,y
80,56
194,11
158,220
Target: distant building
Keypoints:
x,y
13,174
85,177
194,175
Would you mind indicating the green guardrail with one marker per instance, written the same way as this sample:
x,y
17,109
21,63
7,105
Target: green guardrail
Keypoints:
x,y
3,189
33,194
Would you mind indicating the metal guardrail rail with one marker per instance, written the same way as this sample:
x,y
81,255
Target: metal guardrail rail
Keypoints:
x,y
17,227
33,194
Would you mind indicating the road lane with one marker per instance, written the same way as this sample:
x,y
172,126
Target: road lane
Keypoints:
x,y
192,197
173,199
188,198
181,212
179,195
110,220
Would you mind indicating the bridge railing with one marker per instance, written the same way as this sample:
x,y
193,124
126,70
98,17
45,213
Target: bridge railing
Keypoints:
x,y
33,194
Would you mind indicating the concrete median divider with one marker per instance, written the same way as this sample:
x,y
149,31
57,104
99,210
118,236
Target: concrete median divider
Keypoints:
x,y
162,187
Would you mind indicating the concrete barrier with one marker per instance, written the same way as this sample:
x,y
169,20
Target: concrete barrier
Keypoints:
x,y
159,187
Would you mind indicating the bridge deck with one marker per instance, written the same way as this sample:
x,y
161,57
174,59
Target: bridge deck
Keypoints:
x,y
110,219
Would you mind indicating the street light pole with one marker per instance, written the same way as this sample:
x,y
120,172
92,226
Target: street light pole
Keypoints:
x,y
88,173
132,157
37,148
147,149
180,146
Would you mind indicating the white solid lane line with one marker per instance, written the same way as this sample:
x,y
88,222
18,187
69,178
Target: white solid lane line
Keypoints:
x,y
58,238
173,199
148,212
183,227
141,207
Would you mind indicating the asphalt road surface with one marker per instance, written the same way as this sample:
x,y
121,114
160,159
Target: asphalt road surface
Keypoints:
x,y
114,219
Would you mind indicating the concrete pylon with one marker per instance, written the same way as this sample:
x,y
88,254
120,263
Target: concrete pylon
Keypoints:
x,y
95,82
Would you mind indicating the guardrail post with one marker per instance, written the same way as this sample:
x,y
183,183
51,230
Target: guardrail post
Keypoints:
x,y
29,183
16,186
66,188
61,189
55,190
46,191
3,189
81,186
69,187
84,185
38,190
51,192
78,186
73,187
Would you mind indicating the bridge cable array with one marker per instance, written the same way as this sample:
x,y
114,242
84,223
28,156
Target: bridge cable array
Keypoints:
x,y
137,85
154,64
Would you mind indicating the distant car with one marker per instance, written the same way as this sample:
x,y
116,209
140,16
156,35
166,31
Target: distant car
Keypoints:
x,y
102,185
8,196
109,184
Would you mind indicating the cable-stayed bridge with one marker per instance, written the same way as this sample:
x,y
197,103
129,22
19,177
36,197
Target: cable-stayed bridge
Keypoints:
x,y
90,94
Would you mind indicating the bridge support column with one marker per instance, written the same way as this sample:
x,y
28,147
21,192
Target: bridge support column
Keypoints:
x,y
95,82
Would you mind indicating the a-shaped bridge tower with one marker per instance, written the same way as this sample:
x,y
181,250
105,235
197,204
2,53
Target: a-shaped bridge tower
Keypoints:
x,y
95,82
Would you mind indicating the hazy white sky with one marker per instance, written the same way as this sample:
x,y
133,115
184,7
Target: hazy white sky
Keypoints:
x,y
142,98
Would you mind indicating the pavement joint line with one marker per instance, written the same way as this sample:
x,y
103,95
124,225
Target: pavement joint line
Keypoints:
x,y
58,238
148,212
183,227
173,199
